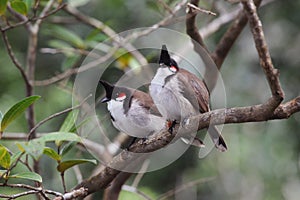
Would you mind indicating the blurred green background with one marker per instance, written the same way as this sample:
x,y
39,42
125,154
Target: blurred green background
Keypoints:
x,y
263,158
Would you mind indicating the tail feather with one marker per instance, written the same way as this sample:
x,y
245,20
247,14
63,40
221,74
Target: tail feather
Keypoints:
x,y
217,138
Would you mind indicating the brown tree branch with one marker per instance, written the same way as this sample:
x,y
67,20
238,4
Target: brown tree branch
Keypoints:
x,y
113,191
256,113
271,73
191,27
39,190
223,47
230,37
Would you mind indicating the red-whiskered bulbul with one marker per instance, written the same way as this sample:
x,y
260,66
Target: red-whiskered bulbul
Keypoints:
x,y
179,94
134,112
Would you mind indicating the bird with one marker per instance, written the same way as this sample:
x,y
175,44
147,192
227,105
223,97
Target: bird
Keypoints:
x,y
179,94
132,111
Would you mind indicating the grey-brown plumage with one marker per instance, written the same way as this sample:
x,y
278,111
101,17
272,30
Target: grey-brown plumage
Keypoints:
x,y
179,94
132,111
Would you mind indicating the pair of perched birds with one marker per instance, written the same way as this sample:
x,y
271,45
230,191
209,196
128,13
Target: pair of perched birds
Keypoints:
x,y
175,95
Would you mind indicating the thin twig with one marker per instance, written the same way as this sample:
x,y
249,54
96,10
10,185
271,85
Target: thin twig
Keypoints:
x,y
56,115
155,26
83,68
14,58
99,25
62,176
15,196
29,187
108,31
166,7
33,30
141,173
215,24
11,167
78,173
201,9
132,189
184,186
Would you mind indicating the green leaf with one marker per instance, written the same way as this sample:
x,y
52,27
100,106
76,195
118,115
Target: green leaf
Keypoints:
x,y
74,128
19,6
60,136
14,157
1,115
52,154
17,110
66,35
3,4
27,175
2,172
29,3
94,38
35,148
67,148
69,121
63,166
4,157
70,61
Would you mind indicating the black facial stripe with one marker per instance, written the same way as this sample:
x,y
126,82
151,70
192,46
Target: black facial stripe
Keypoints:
x,y
168,78
127,104
111,117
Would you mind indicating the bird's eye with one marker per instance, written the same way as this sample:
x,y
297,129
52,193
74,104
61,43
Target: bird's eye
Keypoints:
x,y
173,68
121,96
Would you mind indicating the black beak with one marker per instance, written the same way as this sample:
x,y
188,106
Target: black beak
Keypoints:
x,y
164,56
108,89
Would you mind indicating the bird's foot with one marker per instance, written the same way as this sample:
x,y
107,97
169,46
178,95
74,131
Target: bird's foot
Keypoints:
x,y
171,125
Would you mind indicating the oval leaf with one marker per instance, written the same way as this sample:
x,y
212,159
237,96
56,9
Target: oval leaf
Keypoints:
x,y
67,148
63,166
15,157
52,153
27,175
35,148
3,4
60,136
69,122
4,157
67,36
17,110
19,6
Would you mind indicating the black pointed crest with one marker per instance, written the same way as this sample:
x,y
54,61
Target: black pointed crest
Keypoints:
x,y
108,89
164,56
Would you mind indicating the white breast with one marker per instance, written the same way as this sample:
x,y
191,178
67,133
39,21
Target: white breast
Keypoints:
x,y
168,98
138,122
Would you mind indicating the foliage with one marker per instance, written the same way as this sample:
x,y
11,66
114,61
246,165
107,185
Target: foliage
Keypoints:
x,y
263,158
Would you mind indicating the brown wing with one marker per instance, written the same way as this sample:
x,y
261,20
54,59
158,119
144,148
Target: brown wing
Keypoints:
x,y
146,101
193,86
